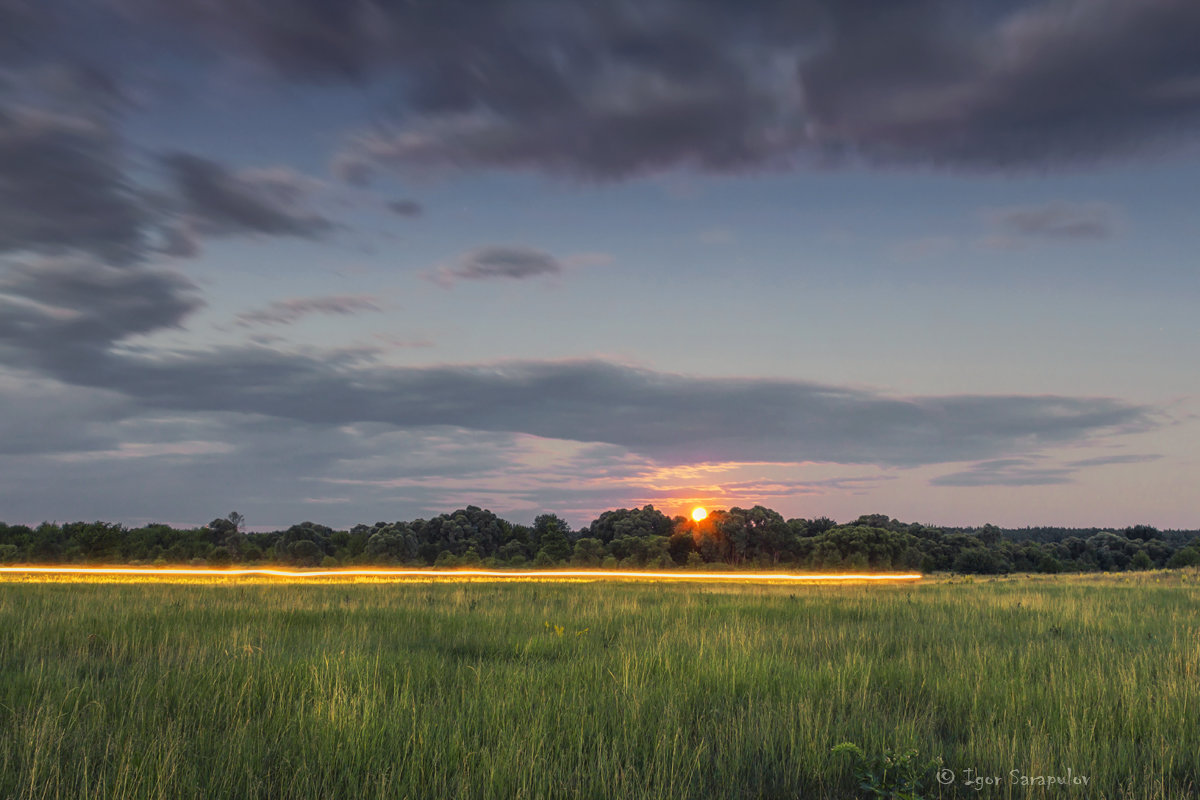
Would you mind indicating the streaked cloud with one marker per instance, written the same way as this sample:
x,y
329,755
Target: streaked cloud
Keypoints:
x,y
285,312
514,262
1006,472
218,201
1032,470
1057,221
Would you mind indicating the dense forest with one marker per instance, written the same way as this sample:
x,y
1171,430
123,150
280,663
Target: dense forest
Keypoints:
x,y
625,538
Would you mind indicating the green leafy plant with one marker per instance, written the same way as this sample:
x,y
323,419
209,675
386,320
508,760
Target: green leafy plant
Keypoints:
x,y
895,775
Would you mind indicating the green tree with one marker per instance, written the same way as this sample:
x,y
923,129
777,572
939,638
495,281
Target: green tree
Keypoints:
x,y
588,552
305,552
554,543
1186,557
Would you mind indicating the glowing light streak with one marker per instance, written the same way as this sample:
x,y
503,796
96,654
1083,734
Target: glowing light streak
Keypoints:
x,y
167,573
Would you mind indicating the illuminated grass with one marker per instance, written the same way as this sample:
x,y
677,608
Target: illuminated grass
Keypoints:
x,y
168,574
228,689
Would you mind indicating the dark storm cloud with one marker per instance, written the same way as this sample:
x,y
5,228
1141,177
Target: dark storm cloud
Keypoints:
x,y
285,312
1057,221
500,261
592,89
612,90
602,91
1014,85
222,202
63,187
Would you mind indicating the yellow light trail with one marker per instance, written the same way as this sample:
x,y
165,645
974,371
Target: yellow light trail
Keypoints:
x,y
458,574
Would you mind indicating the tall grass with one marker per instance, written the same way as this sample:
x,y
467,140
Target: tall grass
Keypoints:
x,y
231,689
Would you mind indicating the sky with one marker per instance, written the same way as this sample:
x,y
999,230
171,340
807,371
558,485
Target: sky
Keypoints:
x,y
359,260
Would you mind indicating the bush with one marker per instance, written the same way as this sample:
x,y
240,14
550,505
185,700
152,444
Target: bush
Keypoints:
x,y
895,775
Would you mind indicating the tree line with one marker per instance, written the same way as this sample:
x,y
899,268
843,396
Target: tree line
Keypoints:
x,y
632,538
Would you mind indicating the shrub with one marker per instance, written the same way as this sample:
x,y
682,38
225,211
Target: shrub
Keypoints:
x,y
895,775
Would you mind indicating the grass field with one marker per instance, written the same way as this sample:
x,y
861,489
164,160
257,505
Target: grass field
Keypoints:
x,y
343,690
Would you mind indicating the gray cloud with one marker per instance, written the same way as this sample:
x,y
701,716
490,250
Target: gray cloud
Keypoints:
x,y
44,416
1030,85
285,312
67,318
179,241
663,415
64,312
64,319
405,208
607,91
221,202
63,188
1006,472
1031,471
72,322
1128,458
81,88
500,261
1057,221
351,169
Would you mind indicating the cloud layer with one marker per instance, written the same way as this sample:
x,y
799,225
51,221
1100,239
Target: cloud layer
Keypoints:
x,y
68,319
592,91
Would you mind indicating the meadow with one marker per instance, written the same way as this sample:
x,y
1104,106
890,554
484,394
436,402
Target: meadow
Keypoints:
x,y
252,688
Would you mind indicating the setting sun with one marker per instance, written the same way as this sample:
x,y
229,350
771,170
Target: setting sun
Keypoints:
x,y
699,513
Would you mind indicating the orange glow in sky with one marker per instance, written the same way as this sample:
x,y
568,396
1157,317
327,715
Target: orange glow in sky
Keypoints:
x,y
167,574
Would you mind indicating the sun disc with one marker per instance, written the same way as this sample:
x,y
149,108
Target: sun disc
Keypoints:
x,y
699,513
